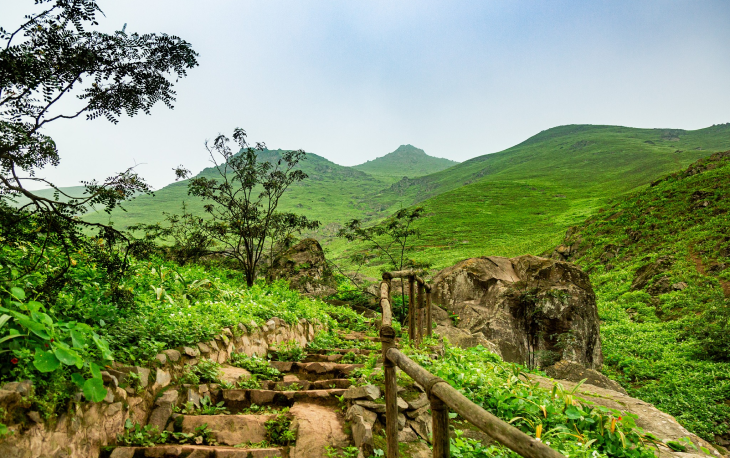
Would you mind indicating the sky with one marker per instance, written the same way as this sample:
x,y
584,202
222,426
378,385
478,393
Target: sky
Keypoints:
x,y
351,81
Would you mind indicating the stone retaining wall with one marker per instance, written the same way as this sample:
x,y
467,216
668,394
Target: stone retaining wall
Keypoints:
x,y
87,426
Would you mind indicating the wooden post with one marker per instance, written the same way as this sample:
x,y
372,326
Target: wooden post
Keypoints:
x,y
411,308
387,339
429,318
440,426
419,321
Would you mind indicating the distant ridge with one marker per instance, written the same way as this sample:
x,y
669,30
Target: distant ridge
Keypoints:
x,y
408,161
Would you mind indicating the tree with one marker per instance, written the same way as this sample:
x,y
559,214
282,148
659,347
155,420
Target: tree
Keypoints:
x,y
282,230
186,231
389,239
44,63
245,196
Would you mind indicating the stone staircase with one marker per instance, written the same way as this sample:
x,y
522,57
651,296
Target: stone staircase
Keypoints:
x,y
306,399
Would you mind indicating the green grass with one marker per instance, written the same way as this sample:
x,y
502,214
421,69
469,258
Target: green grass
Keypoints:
x,y
408,161
522,200
650,342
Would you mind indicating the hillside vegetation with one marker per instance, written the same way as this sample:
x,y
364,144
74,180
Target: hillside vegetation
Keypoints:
x,y
521,200
408,161
517,201
659,260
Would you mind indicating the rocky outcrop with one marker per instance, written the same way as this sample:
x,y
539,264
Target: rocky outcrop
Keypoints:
x,y
537,311
565,370
305,266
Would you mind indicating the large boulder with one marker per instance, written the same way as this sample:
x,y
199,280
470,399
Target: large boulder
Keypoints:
x,y
305,266
537,311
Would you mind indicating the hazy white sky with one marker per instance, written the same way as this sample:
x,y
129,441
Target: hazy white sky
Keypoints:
x,y
351,81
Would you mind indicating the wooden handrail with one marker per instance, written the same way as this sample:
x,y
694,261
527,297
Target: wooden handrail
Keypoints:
x,y
441,395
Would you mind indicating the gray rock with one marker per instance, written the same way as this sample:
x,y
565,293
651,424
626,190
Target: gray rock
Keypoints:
x,y
362,431
407,435
401,421
374,406
168,397
305,266
172,355
110,380
113,409
123,452
192,352
566,370
161,358
371,392
515,302
204,349
24,388
418,403
160,415
162,378
192,396
402,405
358,410
416,413
35,417
422,426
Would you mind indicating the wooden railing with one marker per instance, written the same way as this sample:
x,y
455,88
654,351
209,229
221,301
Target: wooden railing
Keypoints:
x,y
441,395
419,314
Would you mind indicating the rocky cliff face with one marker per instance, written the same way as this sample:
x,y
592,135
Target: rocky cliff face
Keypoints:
x,y
537,311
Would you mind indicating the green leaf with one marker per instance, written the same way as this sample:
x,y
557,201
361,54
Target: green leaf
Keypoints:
x,y
78,339
36,328
573,413
68,357
46,361
103,346
94,389
18,293
78,379
95,371
41,318
34,306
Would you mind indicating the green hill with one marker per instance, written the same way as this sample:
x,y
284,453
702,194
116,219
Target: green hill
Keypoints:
x,y
659,260
513,202
408,161
522,199
330,194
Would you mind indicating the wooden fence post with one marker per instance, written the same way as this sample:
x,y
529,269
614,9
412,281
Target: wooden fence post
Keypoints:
x,y
440,426
429,318
411,308
419,321
387,339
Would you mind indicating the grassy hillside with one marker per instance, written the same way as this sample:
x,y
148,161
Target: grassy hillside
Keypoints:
x,y
331,194
407,161
512,202
522,199
659,260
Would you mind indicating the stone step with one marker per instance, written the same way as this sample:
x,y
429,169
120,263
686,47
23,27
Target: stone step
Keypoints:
x,y
237,400
196,451
357,351
336,358
228,429
314,371
291,383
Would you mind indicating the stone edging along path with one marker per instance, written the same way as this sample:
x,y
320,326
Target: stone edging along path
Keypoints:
x,y
89,426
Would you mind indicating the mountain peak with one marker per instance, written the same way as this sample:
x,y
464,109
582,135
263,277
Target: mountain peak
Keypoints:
x,y
406,160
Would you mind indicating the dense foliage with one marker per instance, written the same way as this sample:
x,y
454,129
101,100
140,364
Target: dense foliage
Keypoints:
x,y
60,342
660,263
54,67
